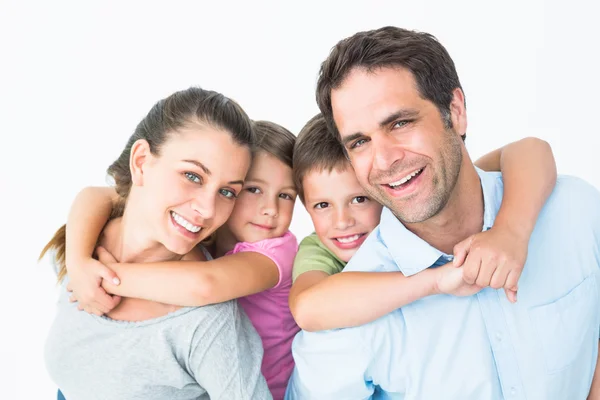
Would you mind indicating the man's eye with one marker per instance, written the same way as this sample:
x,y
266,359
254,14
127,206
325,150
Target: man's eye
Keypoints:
x,y
190,176
321,205
400,124
358,143
360,199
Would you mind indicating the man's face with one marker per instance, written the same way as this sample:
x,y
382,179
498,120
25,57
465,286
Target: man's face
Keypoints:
x,y
403,153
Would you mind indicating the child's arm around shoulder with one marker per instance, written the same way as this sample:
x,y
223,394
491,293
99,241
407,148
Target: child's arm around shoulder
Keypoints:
x,y
195,282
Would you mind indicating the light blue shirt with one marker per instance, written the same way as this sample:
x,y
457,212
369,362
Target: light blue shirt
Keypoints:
x,y
479,347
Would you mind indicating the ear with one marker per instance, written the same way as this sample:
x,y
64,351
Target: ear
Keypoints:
x,y
458,112
138,159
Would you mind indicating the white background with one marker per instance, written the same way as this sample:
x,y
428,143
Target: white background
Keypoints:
x,y
75,79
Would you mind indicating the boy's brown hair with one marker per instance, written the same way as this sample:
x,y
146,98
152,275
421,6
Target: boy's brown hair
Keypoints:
x,y
316,150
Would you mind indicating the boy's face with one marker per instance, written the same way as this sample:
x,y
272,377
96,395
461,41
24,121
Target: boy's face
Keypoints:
x,y
340,210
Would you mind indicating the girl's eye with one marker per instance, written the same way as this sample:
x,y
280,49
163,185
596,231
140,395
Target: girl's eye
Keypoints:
x,y
228,193
254,190
190,176
321,205
360,199
285,196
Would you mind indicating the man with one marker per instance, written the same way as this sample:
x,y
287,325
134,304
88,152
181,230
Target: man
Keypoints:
x,y
394,100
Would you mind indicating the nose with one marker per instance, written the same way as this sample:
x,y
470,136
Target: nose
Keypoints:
x,y
385,152
205,205
270,206
343,219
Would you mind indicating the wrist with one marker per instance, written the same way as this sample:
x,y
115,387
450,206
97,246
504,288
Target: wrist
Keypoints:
x,y
518,228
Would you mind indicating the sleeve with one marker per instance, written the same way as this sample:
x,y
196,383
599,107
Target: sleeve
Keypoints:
x,y
312,257
281,250
226,358
330,365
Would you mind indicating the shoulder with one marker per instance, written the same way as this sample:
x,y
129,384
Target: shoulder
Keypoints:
x,y
314,256
280,249
573,200
373,255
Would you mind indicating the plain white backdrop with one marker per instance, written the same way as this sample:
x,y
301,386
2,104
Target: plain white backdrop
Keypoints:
x,y
76,77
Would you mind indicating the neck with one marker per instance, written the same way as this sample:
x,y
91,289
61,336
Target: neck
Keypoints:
x,y
461,217
127,240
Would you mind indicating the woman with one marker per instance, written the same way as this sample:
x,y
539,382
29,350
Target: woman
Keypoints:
x,y
177,184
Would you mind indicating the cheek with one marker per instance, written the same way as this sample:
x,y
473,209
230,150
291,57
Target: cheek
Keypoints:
x,y
286,212
223,212
321,223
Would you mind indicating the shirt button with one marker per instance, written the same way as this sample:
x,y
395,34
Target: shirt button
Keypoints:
x,y
513,391
499,337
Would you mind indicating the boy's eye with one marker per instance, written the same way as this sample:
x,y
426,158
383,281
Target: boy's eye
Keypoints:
x,y
360,199
254,190
193,177
286,196
228,193
321,205
358,143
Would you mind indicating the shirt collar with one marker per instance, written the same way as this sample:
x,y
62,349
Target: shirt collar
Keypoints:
x,y
411,253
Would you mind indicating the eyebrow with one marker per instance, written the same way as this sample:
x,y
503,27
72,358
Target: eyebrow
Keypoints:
x,y
207,171
400,114
266,183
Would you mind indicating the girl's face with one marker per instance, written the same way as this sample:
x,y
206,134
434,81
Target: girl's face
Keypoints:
x,y
189,190
264,207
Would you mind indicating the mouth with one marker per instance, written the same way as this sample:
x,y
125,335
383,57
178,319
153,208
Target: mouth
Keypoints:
x,y
404,184
185,226
349,241
262,227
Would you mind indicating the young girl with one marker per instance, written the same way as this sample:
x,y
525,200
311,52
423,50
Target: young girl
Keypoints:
x,y
254,251
171,170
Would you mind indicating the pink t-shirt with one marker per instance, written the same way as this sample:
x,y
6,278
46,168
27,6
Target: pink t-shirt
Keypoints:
x,y
270,313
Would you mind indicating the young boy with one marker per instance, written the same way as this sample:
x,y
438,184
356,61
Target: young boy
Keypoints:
x,y
343,216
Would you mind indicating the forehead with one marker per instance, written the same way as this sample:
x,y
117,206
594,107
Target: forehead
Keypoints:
x,y
212,147
365,98
269,168
334,184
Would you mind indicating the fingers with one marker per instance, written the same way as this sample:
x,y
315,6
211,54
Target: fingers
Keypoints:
x,y
471,268
108,275
511,295
512,281
461,250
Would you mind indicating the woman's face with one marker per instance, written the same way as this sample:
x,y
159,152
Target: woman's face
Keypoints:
x,y
189,190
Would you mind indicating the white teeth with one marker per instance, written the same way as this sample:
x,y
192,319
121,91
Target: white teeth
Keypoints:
x,y
185,223
348,239
405,179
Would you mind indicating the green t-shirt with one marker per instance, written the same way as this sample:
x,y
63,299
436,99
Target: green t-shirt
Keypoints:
x,y
314,256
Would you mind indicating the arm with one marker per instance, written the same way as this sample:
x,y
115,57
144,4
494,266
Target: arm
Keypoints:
x,y
89,213
319,302
496,258
529,173
194,283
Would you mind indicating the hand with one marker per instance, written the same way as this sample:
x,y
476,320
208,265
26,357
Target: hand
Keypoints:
x,y
493,258
85,281
450,280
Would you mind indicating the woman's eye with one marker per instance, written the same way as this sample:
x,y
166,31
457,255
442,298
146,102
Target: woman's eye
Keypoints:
x,y
190,176
254,190
228,193
321,205
359,199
